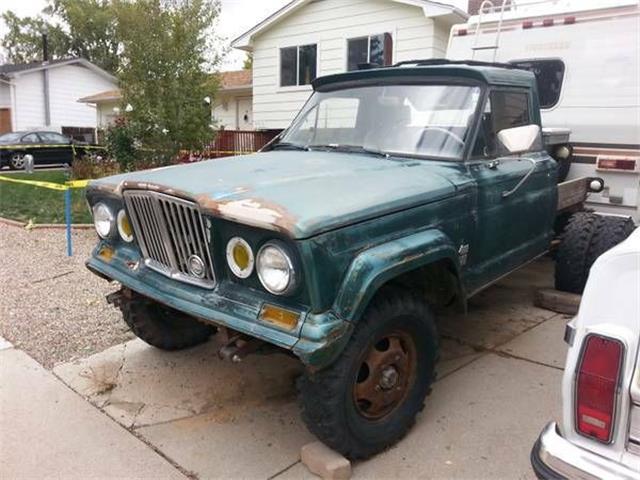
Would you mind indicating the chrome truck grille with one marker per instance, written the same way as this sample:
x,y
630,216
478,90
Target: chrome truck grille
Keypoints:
x,y
172,236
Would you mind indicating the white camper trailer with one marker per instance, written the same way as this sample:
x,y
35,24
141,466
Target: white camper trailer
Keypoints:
x,y
586,55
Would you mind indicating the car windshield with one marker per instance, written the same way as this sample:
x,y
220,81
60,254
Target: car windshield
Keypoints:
x,y
424,120
11,137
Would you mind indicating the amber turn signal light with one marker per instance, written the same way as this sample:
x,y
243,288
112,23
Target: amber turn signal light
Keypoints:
x,y
286,319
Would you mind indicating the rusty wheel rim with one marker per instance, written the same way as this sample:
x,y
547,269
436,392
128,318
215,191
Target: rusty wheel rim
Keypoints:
x,y
385,375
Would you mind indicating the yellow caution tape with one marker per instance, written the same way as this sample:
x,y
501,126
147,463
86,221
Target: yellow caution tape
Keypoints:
x,y
27,146
77,183
49,185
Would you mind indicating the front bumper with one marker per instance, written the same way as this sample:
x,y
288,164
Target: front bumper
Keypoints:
x,y
553,457
317,340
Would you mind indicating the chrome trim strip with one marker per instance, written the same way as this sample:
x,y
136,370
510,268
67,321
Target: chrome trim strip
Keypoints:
x,y
169,230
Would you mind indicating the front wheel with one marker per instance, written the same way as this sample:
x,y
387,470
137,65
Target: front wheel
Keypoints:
x,y
17,161
163,327
368,399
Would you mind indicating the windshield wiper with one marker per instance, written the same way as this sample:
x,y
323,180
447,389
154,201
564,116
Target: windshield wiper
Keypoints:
x,y
289,145
349,148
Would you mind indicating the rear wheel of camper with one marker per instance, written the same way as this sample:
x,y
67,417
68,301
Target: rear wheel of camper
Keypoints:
x,y
369,397
163,327
612,231
572,258
586,237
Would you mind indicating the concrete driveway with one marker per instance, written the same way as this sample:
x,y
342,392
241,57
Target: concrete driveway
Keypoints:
x,y
498,385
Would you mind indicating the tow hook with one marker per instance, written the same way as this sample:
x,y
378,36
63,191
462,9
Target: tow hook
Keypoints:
x,y
235,346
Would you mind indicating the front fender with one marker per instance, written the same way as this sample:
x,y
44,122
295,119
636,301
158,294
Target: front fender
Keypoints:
x,y
374,267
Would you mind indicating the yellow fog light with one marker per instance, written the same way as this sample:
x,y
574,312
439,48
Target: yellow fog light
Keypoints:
x,y
279,316
124,227
106,253
240,257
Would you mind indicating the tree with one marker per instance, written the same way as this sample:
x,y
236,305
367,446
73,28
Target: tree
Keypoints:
x,y
166,47
23,40
75,28
248,61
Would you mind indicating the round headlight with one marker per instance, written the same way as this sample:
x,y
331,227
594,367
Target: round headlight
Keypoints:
x,y
275,269
124,227
103,220
240,257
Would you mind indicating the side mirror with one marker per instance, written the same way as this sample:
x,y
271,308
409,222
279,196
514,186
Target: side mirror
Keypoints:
x,y
520,139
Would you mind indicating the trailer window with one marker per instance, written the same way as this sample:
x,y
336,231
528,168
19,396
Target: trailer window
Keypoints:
x,y
549,77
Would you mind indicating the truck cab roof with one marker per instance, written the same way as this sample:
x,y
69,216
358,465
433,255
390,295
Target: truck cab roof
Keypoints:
x,y
481,72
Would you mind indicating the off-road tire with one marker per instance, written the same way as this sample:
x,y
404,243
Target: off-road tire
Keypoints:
x,y
586,237
611,232
572,257
326,397
163,327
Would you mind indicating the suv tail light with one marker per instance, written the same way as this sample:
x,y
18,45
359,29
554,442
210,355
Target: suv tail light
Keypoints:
x,y
596,388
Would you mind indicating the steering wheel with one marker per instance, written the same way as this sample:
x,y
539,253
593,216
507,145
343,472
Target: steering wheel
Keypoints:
x,y
443,130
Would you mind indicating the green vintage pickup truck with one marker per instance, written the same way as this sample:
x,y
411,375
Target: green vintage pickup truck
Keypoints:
x,y
395,192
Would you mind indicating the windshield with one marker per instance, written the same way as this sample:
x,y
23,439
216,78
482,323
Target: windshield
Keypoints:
x,y
425,120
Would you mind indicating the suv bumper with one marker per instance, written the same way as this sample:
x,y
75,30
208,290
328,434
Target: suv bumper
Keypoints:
x,y
554,457
317,340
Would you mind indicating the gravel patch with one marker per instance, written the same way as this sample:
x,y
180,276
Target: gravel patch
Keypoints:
x,y
51,306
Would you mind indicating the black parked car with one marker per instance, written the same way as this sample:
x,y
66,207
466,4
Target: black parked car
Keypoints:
x,y
47,148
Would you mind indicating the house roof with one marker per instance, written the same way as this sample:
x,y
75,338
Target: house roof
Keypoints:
x,y
236,80
106,96
229,81
430,9
12,70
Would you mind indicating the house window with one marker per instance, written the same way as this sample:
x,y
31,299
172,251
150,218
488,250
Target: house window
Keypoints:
x,y
298,65
376,49
549,77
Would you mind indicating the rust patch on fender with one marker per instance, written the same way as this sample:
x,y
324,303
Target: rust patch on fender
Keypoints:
x,y
251,211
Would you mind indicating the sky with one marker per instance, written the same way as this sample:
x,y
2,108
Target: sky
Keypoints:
x,y
237,17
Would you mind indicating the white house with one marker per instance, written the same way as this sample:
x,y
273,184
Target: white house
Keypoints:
x,y
232,107
43,95
310,38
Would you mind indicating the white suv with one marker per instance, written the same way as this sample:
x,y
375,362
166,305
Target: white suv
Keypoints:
x,y
599,436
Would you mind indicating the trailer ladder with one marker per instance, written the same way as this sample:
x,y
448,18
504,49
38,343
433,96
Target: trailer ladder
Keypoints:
x,y
488,7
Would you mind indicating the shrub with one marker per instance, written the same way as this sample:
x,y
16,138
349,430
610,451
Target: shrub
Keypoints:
x,y
94,166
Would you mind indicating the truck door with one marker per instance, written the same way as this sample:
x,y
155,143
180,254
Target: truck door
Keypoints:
x,y
510,229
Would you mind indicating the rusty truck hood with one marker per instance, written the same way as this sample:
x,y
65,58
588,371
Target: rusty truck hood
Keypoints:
x,y
298,193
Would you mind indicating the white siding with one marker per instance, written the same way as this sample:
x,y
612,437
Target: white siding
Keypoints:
x,y
229,111
329,23
29,112
105,113
66,85
5,95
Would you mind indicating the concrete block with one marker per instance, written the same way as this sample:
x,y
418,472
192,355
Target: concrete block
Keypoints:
x,y
557,301
5,344
324,462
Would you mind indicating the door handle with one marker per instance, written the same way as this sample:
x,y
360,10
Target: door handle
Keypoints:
x,y
493,164
508,193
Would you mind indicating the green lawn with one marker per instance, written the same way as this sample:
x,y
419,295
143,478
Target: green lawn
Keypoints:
x,y
41,205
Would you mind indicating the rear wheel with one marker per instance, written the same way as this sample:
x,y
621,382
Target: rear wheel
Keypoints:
x,y
368,399
586,237
163,327
611,232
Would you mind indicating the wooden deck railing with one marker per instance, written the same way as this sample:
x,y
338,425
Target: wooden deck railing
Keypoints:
x,y
237,142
